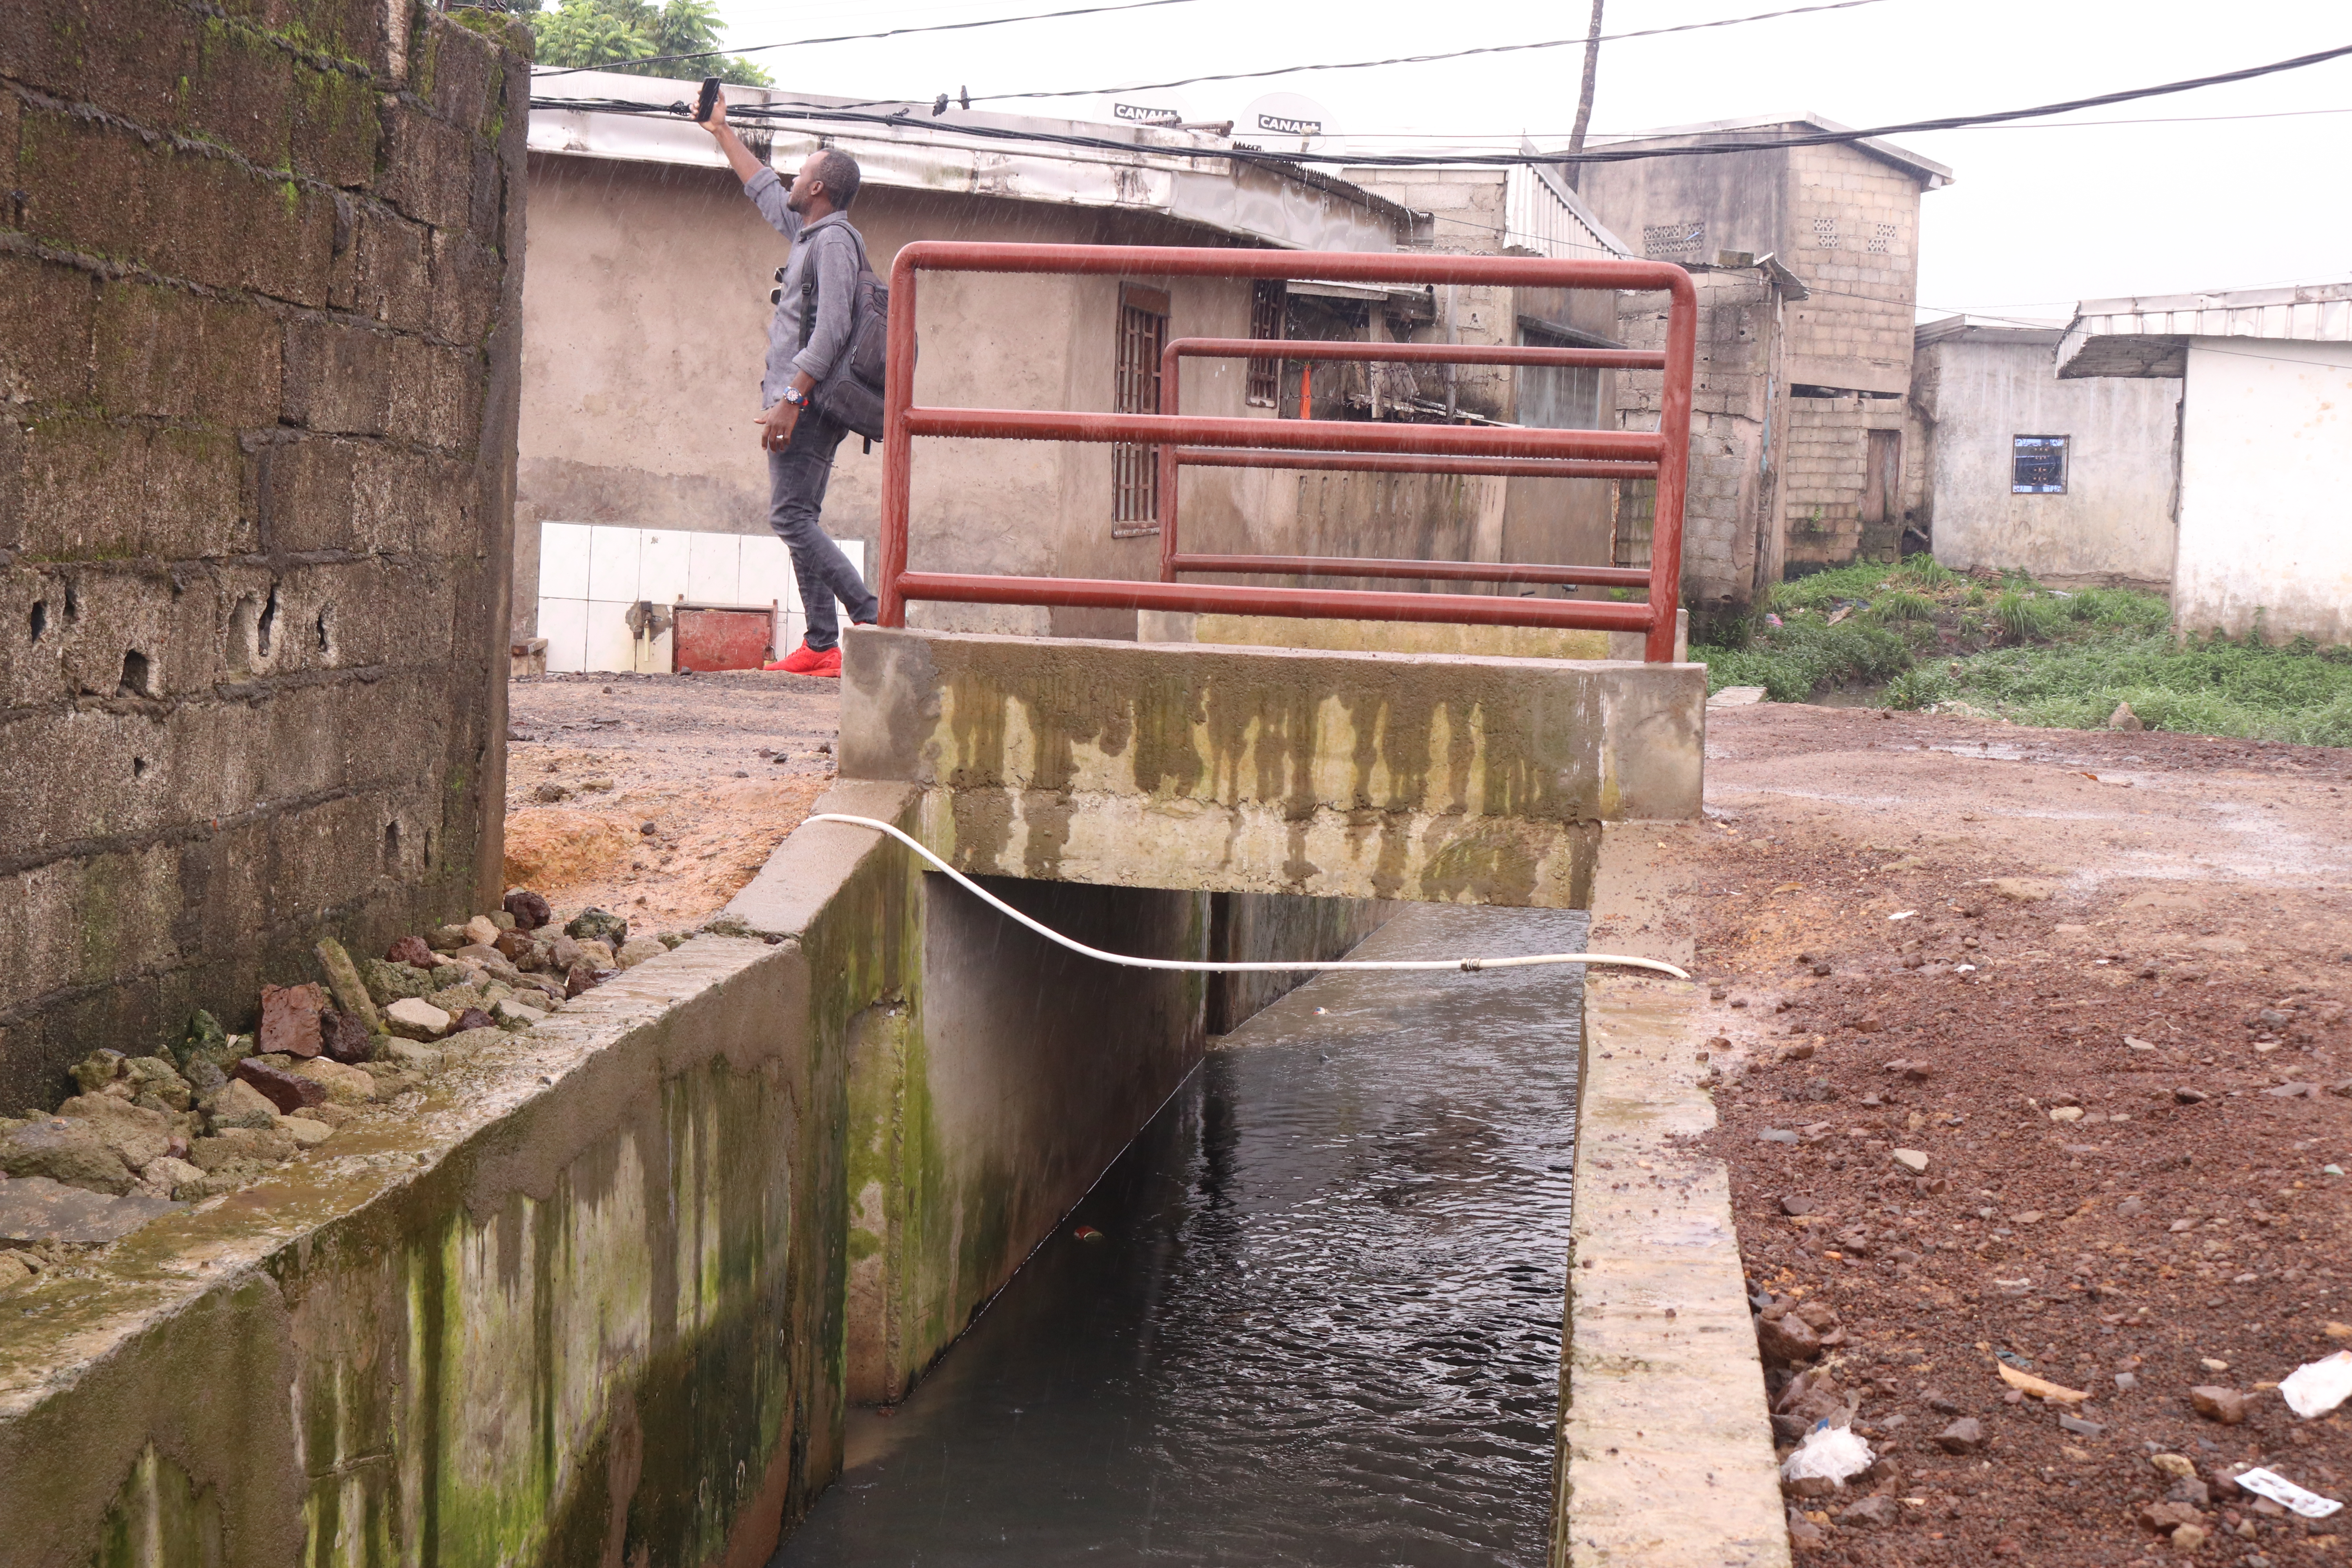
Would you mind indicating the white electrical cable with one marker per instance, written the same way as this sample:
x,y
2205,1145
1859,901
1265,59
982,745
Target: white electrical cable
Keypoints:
x,y
1050,934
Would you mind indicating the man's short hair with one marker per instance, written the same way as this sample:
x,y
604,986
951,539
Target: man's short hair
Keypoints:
x,y
838,169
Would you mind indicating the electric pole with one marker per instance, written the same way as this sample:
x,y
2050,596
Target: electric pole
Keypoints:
x,y
1584,99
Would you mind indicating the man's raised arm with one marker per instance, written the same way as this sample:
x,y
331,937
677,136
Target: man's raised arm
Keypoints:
x,y
767,195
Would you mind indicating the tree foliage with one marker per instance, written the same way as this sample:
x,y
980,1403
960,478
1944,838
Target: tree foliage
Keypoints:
x,y
604,34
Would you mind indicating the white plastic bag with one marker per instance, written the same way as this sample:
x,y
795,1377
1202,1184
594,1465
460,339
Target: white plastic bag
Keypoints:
x,y
2278,1490
1832,1453
2316,1387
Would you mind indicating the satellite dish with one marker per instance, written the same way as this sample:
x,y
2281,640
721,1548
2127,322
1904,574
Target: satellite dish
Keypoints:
x,y
1285,122
1157,105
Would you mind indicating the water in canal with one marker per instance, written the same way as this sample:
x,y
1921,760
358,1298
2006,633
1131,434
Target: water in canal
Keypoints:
x,y
1311,1316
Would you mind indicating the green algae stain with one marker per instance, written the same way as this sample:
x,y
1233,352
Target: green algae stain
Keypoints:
x,y
160,1519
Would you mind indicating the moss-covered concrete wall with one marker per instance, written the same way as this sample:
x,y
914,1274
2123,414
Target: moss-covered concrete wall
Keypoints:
x,y
260,273
587,1308
1272,770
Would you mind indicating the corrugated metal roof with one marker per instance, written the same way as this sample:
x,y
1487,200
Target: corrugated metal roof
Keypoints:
x,y
2148,335
1182,175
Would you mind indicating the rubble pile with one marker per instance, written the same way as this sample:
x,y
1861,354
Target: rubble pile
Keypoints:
x,y
214,1112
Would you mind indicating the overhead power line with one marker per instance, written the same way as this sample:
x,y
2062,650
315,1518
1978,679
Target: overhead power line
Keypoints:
x,y
1580,41
905,111
867,37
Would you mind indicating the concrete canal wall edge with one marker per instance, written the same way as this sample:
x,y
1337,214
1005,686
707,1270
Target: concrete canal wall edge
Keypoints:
x,y
1667,1456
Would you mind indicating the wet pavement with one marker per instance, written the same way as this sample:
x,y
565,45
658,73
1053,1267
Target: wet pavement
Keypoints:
x,y
1311,1316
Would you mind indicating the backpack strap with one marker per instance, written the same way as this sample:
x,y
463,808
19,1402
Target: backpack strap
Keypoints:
x,y
808,278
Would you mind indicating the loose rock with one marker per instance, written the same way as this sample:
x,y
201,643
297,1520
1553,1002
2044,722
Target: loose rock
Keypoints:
x,y
344,1085
289,1020
306,1133
594,924
1911,1160
637,949
2215,1402
482,931
241,1106
136,1134
67,1152
1871,1513
2123,718
288,1092
1964,1436
1787,1339
97,1069
414,1018
412,950
530,910
2173,1465
174,1178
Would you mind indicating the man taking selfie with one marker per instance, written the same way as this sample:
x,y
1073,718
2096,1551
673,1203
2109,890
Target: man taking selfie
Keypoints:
x,y
798,439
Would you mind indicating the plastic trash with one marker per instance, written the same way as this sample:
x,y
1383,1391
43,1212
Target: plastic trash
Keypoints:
x,y
1832,1453
2316,1387
2278,1490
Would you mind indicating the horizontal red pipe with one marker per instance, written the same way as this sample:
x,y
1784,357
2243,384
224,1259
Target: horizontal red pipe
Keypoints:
x,y
1310,435
1447,570
1332,266
1336,604
1404,463
1414,353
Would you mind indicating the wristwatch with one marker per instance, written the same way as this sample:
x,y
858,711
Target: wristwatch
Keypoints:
x,y
796,397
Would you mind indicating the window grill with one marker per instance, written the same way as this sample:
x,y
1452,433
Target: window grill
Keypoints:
x,y
1266,300
1135,470
1883,238
1825,234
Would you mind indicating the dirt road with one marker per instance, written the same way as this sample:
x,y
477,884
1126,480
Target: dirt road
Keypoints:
x,y
2099,981
720,767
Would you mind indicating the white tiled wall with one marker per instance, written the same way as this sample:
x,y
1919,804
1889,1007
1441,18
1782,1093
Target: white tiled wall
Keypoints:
x,y
590,574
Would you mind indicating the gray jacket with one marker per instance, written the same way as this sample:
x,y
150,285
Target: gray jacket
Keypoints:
x,y
836,286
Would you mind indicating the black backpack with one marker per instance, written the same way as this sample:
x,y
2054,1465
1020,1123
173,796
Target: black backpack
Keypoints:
x,y
851,393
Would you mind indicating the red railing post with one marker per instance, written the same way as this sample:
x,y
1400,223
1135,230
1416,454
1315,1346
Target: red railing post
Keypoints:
x,y
897,444
1171,399
1674,468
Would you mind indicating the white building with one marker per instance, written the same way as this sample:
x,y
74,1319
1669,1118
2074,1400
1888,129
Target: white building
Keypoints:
x,y
2071,481
2264,533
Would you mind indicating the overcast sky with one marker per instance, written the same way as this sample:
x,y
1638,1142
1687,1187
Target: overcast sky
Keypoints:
x,y
2035,219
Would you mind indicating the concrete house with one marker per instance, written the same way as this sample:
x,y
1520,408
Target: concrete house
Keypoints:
x,y
2071,480
1806,468
646,309
2264,540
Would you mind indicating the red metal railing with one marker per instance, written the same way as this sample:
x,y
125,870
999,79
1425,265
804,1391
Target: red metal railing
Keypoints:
x,y
1289,443
1173,559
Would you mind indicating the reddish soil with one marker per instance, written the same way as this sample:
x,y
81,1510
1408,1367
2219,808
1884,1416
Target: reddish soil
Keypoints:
x,y
2161,931
723,766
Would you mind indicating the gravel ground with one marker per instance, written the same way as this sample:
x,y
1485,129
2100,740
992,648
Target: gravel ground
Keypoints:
x,y
722,766
2126,1190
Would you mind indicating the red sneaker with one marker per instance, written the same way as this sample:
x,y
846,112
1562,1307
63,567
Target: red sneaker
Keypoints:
x,y
807,660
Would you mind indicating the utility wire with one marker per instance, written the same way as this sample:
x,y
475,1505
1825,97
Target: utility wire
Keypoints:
x,y
865,38
1190,966
1628,135
904,115
1580,41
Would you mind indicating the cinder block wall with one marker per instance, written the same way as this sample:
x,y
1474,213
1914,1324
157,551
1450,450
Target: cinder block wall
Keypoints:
x,y
1827,474
260,264
1731,538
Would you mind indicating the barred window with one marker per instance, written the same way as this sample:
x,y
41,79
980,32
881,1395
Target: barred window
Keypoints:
x,y
1142,333
1266,325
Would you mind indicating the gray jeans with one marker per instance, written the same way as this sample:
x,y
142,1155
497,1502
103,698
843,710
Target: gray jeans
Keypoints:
x,y
797,477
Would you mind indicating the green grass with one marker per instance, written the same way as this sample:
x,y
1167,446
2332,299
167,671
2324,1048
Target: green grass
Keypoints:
x,y
1937,640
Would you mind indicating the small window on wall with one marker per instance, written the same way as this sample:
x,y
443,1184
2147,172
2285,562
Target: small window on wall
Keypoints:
x,y
1265,326
1142,333
2038,466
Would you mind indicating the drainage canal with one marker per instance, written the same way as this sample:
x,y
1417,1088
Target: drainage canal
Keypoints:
x,y
1312,1315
